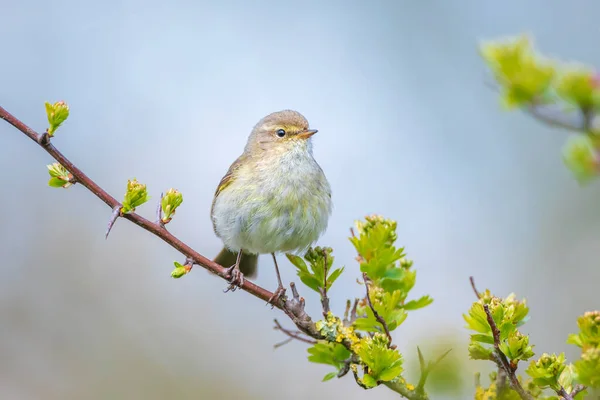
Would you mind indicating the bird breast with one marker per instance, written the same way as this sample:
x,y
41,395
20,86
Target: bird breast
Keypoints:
x,y
277,203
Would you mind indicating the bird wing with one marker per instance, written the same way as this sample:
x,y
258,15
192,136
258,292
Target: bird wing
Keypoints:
x,y
226,181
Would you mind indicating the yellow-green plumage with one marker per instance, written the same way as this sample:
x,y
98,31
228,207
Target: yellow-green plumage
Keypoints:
x,y
275,197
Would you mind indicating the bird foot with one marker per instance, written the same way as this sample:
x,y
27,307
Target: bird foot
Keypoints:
x,y
236,279
276,296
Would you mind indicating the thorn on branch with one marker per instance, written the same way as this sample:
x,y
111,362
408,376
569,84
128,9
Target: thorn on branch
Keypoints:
x,y
113,218
159,216
378,317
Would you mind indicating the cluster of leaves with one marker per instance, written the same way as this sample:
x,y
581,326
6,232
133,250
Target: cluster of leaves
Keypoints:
x,y
528,80
318,274
57,113
587,368
509,314
550,371
359,342
59,176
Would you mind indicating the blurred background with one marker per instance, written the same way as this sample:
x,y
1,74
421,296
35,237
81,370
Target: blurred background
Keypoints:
x,y
167,92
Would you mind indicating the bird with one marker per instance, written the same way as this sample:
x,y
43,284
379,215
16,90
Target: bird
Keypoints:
x,y
274,198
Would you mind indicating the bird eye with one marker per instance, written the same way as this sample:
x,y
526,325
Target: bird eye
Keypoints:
x,y
281,133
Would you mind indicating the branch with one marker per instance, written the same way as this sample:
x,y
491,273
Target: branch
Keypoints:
x,y
292,335
378,317
350,314
323,290
570,396
293,308
553,116
499,357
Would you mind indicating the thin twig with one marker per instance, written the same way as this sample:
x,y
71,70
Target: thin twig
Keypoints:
x,y
477,294
570,396
283,343
347,312
378,317
357,379
323,290
293,335
353,312
499,357
552,115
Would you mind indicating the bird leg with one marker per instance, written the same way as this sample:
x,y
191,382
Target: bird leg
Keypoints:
x,y
280,291
235,276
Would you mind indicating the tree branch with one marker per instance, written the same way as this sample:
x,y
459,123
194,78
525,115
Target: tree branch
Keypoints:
x,y
378,317
552,115
499,357
292,308
323,290
292,335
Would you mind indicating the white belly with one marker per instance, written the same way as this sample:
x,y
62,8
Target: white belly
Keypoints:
x,y
277,213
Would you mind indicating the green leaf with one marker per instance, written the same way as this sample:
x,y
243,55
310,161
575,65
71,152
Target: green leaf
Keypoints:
x,y
310,281
333,277
314,277
575,339
384,364
482,338
477,319
589,330
416,304
478,352
369,381
580,156
387,305
577,86
516,347
523,76
179,271
328,353
59,176
546,370
588,367
56,182
298,262
329,376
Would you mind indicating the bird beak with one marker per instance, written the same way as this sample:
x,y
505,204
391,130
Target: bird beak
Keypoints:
x,y
307,133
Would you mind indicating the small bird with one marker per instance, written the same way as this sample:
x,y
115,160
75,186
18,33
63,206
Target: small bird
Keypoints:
x,y
274,198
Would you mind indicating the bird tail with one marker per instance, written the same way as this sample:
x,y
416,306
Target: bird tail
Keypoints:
x,y
248,263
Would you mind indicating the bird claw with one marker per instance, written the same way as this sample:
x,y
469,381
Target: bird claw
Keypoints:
x,y
276,296
236,279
